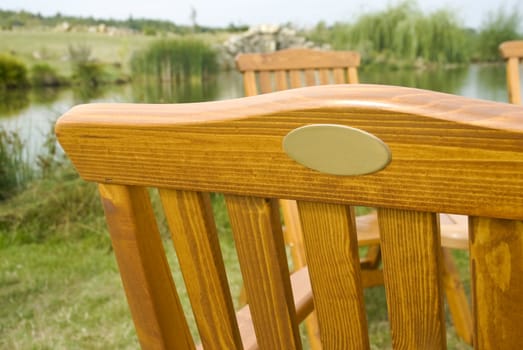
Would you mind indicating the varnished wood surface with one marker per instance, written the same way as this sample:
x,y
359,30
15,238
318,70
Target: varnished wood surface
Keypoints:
x,y
257,232
497,282
448,151
329,232
193,233
294,59
157,313
412,267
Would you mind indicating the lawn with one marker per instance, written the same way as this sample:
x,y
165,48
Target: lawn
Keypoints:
x,y
64,293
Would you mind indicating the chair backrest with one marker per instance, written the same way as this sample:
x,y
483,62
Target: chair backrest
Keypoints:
x,y
449,154
295,68
512,52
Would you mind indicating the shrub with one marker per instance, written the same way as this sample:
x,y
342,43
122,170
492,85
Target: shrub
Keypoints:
x,y
86,70
498,27
43,74
13,73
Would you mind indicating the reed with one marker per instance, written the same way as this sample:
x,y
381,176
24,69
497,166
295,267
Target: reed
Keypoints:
x,y
175,60
15,171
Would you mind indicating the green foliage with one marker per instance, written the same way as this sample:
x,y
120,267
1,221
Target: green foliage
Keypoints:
x,y
176,60
15,172
401,32
86,71
42,74
498,27
13,73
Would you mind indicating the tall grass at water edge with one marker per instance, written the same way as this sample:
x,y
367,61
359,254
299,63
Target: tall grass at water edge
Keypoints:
x,y
402,36
175,60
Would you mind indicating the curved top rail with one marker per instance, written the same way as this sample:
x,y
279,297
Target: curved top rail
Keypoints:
x,y
449,153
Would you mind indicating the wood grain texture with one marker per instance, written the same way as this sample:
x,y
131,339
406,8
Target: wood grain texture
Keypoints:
x,y
497,282
293,59
332,254
257,232
455,153
157,313
412,270
513,81
456,298
194,236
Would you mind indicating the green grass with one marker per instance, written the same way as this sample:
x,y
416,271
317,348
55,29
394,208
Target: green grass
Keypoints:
x,y
49,47
60,288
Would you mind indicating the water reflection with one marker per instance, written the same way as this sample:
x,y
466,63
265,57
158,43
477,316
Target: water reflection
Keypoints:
x,y
13,101
33,112
155,91
443,80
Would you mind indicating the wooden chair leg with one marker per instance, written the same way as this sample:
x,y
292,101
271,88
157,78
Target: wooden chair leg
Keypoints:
x,y
456,298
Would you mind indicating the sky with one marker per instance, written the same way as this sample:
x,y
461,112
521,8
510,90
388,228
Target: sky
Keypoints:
x,y
220,13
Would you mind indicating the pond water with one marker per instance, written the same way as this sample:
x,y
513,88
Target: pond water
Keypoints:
x,y
32,114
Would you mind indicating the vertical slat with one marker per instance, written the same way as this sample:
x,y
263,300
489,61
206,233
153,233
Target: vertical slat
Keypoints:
x,y
295,76
456,298
339,76
513,82
294,239
259,242
412,269
193,232
265,82
353,75
152,297
249,83
332,253
281,80
310,77
496,253
324,76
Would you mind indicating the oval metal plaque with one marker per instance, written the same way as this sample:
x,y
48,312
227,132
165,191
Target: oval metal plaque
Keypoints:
x,y
337,149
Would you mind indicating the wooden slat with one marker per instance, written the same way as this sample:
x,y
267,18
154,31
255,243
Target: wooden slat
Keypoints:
x,y
496,254
310,77
353,75
281,80
449,151
293,59
412,269
294,240
339,76
324,76
194,236
513,80
152,297
265,82
332,254
249,83
259,242
513,48
296,78
457,301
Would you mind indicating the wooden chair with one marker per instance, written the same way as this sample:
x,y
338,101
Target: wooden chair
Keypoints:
x,y
449,154
295,68
512,52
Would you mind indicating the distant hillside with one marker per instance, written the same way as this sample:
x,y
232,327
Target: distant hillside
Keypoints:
x,y
10,20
